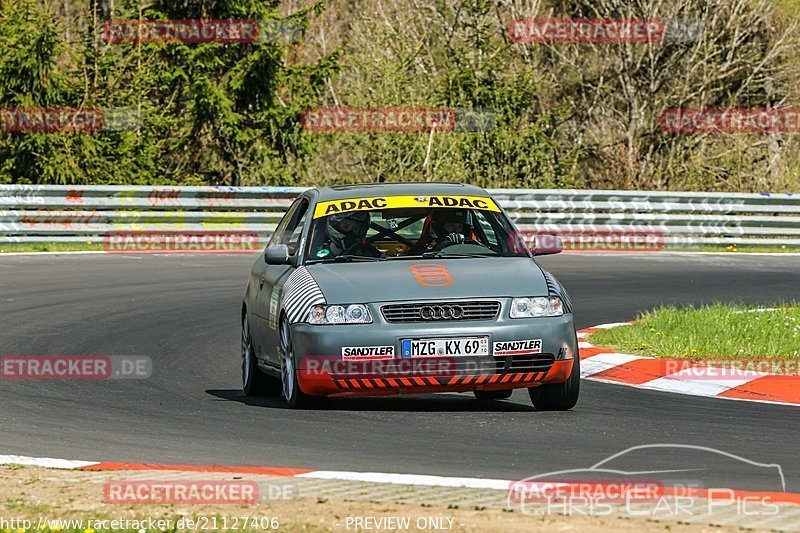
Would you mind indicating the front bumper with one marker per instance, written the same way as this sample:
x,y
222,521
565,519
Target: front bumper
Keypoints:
x,y
322,371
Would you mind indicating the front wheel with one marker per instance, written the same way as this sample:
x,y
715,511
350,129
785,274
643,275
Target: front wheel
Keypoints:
x,y
254,382
493,394
295,398
558,396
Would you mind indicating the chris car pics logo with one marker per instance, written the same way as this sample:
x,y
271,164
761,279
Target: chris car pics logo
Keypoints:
x,y
653,480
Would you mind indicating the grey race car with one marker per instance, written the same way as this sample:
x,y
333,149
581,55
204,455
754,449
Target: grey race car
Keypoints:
x,y
405,288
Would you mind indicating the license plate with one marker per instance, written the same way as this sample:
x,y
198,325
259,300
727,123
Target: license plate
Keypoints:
x,y
445,347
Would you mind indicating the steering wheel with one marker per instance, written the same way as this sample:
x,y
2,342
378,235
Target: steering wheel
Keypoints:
x,y
447,244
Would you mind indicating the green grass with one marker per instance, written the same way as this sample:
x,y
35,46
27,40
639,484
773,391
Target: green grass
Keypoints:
x,y
96,245
744,248
718,332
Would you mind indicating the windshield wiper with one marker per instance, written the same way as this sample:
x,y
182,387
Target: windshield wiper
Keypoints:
x,y
348,258
441,255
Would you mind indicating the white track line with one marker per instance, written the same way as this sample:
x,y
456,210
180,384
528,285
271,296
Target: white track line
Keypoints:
x,y
411,479
47,462
604,361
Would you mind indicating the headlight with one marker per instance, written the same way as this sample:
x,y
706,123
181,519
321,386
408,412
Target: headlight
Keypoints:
x,y
536,307
339,314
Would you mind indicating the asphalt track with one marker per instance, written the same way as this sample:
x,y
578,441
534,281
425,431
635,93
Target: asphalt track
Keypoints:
x,y
183,312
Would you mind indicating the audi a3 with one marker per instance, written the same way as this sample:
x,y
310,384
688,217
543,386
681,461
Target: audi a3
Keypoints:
x,y
406,288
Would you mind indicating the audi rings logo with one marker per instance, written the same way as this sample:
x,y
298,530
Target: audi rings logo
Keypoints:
x,y
442,312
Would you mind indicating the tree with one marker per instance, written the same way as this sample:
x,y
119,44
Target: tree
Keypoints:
x,y
211,112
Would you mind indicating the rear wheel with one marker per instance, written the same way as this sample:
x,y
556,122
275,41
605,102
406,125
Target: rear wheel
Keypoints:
x,y
493,394
558,396
295,398
254,382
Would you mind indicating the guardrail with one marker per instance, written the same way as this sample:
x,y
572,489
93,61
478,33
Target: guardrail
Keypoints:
x,y
43,213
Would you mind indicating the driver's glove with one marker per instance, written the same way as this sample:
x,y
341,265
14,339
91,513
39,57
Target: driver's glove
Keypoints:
x,y
456,238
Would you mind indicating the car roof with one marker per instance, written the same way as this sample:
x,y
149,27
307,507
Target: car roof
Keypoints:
x,y
339,192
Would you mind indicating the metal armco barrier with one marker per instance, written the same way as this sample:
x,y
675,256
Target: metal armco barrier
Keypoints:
x,y
43,213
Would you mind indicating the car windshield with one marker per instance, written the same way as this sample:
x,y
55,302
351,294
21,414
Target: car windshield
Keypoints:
x,y
373,232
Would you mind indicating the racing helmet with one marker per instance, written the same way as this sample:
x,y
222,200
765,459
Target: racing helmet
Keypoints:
x,y
346,240
442,216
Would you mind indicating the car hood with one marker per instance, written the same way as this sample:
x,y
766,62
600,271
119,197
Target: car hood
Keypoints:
x,y
433,279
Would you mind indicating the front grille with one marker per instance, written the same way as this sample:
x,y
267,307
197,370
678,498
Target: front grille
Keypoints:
x,y
540,362
446,366
441,311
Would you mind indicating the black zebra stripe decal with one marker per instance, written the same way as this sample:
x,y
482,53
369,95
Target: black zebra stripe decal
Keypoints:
x,y
554,288
300,294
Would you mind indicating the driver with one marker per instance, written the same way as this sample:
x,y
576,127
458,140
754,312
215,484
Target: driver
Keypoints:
x,y
346,234
447,227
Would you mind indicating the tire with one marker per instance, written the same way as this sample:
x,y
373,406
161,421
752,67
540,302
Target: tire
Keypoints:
x,y
493,394
254,381
558,396
290,388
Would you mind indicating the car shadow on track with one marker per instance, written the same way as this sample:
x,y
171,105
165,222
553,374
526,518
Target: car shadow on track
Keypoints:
x,y
400,402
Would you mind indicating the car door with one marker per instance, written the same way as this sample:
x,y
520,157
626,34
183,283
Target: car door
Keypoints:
x,y
274,276
260,299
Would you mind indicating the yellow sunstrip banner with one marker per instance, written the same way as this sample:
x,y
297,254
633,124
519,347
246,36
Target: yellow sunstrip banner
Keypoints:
x,y
398,202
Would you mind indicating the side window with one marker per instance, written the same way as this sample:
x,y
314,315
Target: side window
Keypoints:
x,y
280,229
487,228
291,237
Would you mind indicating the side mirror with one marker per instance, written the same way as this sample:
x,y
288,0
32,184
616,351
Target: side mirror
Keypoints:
x,y
547,245
277,254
